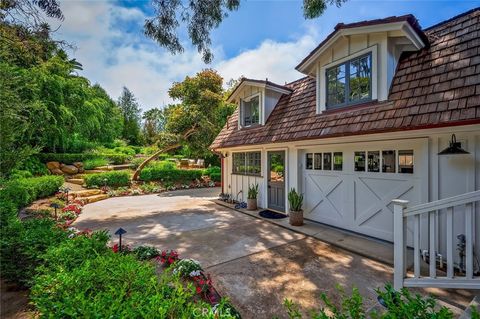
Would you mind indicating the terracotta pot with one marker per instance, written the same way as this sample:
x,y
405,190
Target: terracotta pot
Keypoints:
x,y
251,204
296,218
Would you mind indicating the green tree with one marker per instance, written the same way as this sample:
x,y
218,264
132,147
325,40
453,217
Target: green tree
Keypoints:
x,y
196,120
200,17
154,123
131,116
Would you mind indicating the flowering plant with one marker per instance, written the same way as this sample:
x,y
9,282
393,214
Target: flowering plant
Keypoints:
x,y
187,267
202,285
73,208
168,257
61,195
125,249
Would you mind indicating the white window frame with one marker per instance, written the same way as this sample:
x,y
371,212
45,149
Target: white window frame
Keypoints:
x,y
260,108
322,82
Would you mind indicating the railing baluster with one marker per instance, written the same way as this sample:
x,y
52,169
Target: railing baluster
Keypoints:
x,y
416,246
468,240
433,256
450,242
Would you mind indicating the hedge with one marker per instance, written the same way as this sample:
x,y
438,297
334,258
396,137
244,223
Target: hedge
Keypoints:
x,y
69,158
24,191
216,177
116,179
169,175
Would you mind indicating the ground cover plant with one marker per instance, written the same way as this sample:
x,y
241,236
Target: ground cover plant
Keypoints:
x,y
95,162
398,304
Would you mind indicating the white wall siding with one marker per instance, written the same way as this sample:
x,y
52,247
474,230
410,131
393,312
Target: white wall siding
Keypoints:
x,y
440,176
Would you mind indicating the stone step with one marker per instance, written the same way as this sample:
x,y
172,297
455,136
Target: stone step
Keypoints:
x,y
104,168
87,192
121,167
93,171
93,199
78,181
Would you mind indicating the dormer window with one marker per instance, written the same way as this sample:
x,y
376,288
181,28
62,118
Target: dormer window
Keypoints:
x,y
349,82
250,110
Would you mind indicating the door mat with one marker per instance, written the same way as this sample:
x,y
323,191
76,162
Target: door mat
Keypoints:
x,y
271,214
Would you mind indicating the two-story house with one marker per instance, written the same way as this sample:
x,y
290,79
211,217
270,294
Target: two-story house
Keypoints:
x,y
379,101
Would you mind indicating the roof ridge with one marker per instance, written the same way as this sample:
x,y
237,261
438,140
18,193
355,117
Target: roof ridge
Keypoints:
x,y
451,19
297,80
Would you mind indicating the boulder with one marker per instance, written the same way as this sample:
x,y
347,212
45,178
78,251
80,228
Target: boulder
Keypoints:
x,y
53,165
56,171
78,164
81,170
69,169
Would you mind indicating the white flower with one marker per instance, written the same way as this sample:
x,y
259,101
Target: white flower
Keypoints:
x,y
71,235
195,273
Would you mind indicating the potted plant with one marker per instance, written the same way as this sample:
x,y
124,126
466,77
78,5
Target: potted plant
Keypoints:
x,y
252,197
295,200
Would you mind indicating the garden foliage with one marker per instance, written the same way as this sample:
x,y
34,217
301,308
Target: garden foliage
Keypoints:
x,y
69,158
168,173
23,191
113,178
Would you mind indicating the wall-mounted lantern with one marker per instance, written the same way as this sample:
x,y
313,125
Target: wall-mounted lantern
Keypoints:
x,y
454,148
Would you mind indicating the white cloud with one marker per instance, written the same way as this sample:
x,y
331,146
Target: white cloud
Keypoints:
x,y
114,57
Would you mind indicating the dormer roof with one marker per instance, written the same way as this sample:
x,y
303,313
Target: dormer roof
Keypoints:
x,y
258,83
407,24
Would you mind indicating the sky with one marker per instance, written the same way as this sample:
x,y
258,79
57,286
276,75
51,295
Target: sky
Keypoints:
x,y
262,39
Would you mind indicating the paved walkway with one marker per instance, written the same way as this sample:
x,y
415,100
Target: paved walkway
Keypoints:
x,y
256,263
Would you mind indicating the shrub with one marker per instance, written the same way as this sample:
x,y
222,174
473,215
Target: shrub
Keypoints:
x,y
72,253
212,170
94,162
35,167
25,190
18,174
8,212
398,305
22,246
168,175
113,286
216,177
115,179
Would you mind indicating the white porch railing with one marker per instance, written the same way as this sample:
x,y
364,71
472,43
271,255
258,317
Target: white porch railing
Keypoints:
x,y
466,279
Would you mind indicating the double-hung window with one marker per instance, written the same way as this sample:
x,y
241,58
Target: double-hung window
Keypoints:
x,y
250,111
350,82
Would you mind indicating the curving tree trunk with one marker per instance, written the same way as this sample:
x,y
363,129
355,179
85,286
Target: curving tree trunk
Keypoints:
x,y
151,158
163,150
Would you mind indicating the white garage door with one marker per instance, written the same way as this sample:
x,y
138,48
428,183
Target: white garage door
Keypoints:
x,y
351,186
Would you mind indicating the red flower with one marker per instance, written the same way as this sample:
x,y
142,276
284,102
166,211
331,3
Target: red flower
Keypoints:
x,y
199,290
115,248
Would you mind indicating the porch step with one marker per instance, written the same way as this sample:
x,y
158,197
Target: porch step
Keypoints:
x,y
87,192
78,181
468,311
93,199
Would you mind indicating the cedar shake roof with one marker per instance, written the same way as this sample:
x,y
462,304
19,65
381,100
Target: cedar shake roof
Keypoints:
x,y
435,87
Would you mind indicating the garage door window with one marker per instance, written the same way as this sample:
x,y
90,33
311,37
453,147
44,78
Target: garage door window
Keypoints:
x,y
388,162
337,161
327,161
309,161
405,162
359,161
317,161
374,161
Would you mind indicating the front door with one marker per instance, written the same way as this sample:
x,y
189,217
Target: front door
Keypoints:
x,y
276,180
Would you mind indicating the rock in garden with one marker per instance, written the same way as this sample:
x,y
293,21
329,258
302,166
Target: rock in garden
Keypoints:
x,y
81,170
53,165
69,169
56,171
78,164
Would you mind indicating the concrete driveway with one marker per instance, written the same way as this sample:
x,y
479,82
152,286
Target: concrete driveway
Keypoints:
x,y
255,263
